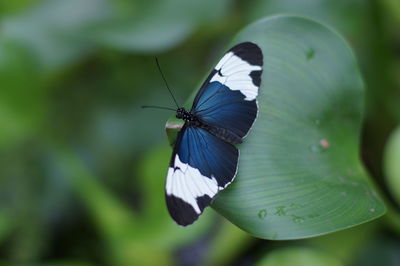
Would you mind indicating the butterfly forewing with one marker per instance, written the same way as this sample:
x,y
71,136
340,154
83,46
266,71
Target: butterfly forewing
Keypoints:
x,y
205,160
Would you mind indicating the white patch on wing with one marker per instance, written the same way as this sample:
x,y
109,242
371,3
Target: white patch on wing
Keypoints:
x,y
187,183
223,60
236,75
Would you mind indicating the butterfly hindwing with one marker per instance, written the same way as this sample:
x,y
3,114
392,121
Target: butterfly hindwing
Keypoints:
x,y
201,165
205,160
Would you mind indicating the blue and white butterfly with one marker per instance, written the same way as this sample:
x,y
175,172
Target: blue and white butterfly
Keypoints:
x,y
205,160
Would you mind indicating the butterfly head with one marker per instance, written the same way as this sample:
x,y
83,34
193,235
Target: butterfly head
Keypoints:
x,y
181,113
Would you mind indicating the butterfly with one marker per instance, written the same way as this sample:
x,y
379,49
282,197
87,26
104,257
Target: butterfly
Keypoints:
x,y
205,159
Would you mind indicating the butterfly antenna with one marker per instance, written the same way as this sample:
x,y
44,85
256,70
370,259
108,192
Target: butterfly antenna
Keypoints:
x,y
165,81
158,107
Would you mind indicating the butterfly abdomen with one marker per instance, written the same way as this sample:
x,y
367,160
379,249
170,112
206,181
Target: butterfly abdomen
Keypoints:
x,y
192,120
222,133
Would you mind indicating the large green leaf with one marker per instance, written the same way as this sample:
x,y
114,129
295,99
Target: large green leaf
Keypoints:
x,y
300,173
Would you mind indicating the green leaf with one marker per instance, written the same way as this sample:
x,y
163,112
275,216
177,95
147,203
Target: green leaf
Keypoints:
x,y
157,26
348,17
133,237
392,166
53,31
6,224
299,171
22,99
351,240
299,256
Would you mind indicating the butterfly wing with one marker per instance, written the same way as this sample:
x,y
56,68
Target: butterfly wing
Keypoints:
x,y
201,165
227,99
204,160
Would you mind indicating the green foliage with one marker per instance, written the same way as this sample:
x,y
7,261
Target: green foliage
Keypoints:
x,y
299,256
392,164
137,32
82,167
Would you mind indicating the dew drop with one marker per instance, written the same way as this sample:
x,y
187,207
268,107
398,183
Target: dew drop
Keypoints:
x,y
310,53
262,214
312,216
323,145
295,205
297,219
280,210
372,209
315,148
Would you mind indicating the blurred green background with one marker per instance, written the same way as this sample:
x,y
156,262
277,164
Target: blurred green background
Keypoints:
x,y
82,167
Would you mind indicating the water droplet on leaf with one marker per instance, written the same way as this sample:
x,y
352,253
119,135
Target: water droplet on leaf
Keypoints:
x,y
320,147
310,53
295,205
262,214
315,148
314,215
297,219
280,210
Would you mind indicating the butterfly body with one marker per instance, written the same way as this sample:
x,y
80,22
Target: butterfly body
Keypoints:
x,y
181,113
192,120
205,158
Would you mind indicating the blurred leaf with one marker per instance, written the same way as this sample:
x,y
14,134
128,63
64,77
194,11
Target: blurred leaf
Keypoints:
x,y
53,31
299,256
392,164
66,263
21,97
392,218
346,16
110,216
299,171
227,244
160,25
5,224
383,250
351,241
7,7
133,237
392,8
